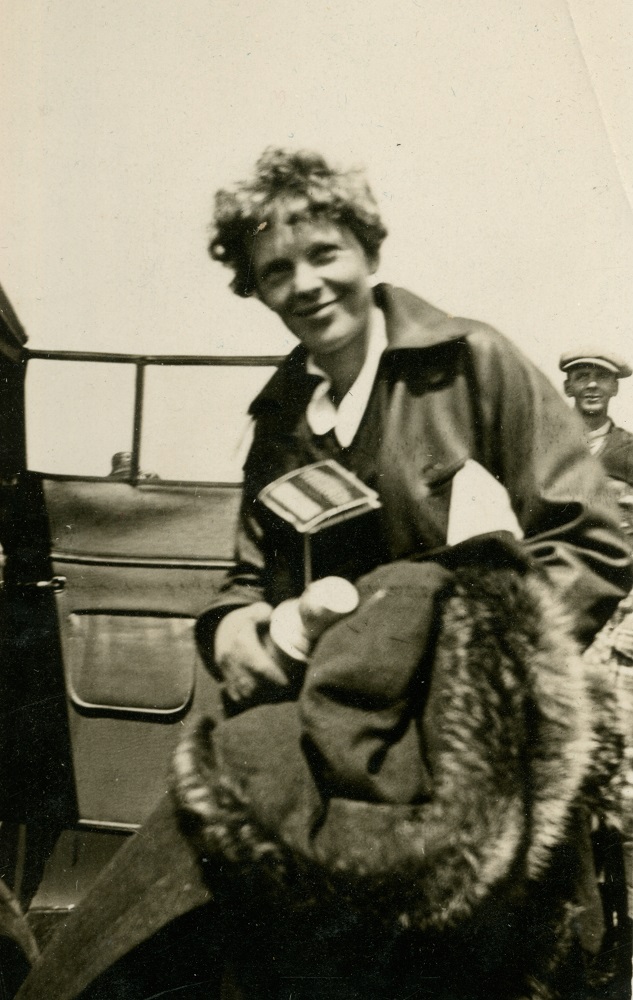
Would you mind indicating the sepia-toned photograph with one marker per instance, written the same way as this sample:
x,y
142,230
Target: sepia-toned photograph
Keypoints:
x,y
316,500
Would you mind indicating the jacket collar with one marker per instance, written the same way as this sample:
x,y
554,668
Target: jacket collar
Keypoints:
x,y
411,324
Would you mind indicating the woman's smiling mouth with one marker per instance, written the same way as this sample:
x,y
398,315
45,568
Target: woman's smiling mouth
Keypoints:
x,y
314,310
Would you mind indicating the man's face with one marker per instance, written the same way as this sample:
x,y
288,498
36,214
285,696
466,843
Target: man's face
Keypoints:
x,y
591,387
315,275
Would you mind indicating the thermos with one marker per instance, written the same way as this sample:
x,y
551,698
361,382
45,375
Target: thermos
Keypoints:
x,y
297,624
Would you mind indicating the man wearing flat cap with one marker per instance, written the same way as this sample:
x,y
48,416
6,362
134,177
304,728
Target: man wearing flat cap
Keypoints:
x,y
592,381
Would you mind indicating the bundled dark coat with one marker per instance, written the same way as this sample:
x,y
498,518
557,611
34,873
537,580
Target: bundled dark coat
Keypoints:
x,y
418,820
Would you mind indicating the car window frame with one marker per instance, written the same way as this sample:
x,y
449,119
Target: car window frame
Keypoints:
x,y
141,362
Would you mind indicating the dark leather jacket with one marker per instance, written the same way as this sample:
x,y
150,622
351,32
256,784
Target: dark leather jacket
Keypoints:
x,y
616,454
448,389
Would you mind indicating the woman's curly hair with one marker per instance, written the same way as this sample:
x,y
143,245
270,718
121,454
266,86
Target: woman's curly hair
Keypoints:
x,y
341,196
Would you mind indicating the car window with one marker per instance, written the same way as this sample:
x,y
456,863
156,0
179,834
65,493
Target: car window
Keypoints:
x,y
78,414
193,418
195,421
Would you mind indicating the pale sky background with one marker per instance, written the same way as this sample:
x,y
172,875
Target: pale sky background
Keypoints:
x,y
498,138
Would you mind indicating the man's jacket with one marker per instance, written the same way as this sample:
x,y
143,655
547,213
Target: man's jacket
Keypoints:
x,y
616,454
447,390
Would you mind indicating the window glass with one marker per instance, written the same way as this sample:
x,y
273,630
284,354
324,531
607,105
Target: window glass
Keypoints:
x,y
78,415
195,421
195,425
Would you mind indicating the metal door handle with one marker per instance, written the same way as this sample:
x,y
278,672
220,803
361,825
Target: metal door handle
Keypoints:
x,y
56,583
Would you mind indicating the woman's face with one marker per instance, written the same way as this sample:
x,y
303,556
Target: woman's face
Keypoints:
x,y
315,275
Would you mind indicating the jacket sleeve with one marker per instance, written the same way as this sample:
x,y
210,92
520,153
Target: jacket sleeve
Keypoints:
x,y
532,442
244,583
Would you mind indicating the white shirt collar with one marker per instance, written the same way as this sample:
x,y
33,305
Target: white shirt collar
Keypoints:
x,y
321,413
595,439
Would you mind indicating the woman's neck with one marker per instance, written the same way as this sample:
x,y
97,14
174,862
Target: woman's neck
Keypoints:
x,y
343,367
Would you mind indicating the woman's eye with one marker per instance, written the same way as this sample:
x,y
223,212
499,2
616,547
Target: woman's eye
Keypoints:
x,y
274,276
325,256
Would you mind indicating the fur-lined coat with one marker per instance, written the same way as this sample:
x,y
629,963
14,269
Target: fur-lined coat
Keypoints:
x,y
417,823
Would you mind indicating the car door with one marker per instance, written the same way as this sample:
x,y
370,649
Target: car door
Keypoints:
x,y
113,562
117,528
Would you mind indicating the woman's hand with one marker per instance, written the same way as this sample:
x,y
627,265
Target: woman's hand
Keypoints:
x,y
240,656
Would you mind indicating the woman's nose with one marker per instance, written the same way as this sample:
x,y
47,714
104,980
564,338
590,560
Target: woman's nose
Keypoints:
x,y
306,278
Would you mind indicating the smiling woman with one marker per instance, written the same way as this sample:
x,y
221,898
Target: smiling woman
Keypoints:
x,y
305,238
290,186
314,276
